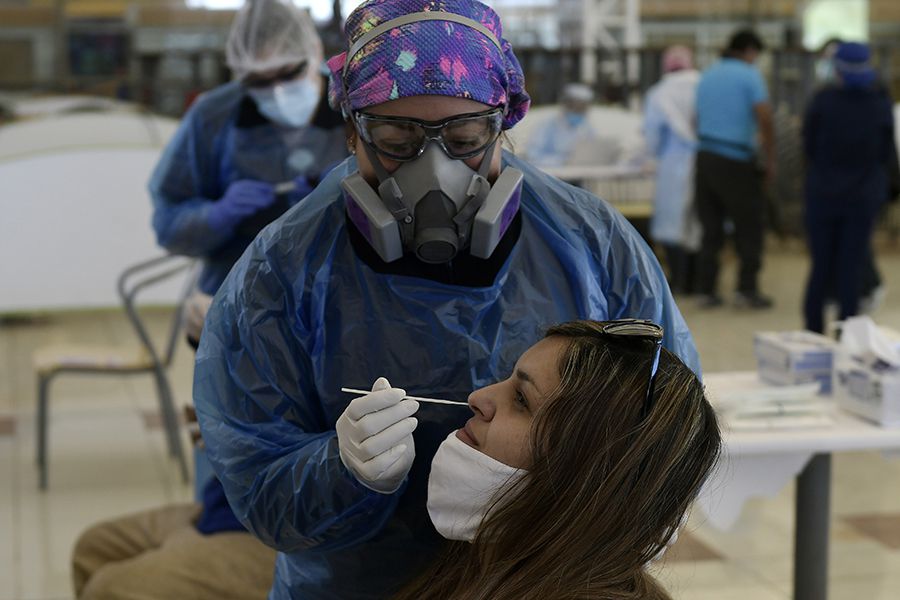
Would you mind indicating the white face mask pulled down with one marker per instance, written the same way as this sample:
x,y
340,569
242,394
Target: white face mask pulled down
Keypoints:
x,y
462,487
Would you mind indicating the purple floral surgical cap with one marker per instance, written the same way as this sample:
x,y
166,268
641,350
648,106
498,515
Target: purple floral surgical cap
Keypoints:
x,y
428,57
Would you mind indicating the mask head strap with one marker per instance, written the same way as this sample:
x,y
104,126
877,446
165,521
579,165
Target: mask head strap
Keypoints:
x,y
475,196
391,195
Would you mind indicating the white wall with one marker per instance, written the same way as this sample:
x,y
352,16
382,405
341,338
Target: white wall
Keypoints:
x,y
74,210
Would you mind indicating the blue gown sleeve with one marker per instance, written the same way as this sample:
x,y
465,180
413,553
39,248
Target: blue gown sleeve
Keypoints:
x,y
634,283
625,277
637,288
265,429
184,186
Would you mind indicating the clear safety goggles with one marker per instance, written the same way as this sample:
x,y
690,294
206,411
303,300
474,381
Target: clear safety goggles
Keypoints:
x,y
404,138
637,333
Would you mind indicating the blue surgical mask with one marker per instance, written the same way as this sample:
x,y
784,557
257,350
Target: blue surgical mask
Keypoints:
x,y
574,119
292,103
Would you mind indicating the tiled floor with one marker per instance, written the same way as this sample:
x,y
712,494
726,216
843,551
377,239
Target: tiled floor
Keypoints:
x,y
107,458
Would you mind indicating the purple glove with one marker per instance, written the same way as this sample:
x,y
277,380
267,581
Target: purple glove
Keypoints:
x,y
243,198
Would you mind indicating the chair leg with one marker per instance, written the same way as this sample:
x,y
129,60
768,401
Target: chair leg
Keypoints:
x,y
41,453
170,422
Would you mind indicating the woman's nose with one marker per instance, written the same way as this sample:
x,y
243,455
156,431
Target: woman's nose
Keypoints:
x,y
482,402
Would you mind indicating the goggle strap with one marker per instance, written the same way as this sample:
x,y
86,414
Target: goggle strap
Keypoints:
x,y
415,18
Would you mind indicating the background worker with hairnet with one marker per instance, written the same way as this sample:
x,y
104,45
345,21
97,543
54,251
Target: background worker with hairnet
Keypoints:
x,y
557,140
248,150
213,191
671,139
432,258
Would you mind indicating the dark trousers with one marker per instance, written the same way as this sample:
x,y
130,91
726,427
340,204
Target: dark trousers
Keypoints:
x,y
839,245
729,189
682,266
869,278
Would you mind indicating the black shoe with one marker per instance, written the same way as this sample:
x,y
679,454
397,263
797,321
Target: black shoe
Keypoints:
x,y
708,301
753,300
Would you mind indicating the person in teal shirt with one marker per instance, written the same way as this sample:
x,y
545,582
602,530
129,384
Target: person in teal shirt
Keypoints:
x,y
732,107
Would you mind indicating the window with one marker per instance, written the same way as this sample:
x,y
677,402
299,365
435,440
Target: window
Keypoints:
x,y
826,19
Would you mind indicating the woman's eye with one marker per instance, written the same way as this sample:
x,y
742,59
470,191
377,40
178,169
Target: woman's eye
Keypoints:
x,y
521,400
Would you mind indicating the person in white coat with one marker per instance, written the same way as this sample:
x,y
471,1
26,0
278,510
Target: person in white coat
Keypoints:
x,y
670,133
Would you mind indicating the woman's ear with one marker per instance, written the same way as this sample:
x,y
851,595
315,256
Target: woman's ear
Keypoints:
x,y
351,138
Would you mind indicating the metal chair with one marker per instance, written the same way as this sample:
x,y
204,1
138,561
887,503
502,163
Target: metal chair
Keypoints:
x,y
54,360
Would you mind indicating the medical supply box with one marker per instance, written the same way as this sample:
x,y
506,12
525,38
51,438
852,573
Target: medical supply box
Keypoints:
x,y
870,389
794,357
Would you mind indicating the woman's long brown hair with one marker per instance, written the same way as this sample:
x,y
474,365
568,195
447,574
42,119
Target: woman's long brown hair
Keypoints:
x,y
606,488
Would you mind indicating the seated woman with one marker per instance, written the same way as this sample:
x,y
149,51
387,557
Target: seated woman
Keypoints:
x,y
585,461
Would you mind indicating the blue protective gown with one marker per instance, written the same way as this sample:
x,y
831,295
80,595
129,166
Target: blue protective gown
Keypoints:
x,y
668,131
300,316
221,139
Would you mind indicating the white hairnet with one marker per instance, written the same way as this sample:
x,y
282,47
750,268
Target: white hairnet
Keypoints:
x,y
577,92
268,34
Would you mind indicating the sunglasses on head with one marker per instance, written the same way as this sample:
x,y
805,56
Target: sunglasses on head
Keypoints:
x,y
404,138
287,74
637,333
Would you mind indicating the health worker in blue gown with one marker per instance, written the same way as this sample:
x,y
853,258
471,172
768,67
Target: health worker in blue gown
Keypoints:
x,y
249,149
848,141
431,258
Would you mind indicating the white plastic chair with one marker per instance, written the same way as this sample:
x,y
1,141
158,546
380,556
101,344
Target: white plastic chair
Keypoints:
x,y
54,360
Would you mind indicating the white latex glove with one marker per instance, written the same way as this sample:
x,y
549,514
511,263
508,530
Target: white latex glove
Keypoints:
x,y
375,437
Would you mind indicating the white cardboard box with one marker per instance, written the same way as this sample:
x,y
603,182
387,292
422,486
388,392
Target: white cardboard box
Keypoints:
x,y
870,392
794,357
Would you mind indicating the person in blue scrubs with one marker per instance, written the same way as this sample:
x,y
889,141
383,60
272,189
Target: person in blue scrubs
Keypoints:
x,y
732,107
848,141
431,258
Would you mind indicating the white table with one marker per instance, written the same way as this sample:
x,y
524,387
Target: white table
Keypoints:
x,y
595,172
627,187
759,463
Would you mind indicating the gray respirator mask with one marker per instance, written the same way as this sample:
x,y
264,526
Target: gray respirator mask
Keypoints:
x,y
433,205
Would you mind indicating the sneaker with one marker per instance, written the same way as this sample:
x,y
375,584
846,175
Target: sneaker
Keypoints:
x,y
708,301
753,300
869,304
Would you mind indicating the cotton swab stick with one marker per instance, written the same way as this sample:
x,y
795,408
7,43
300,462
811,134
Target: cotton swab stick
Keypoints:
x,y
417,398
